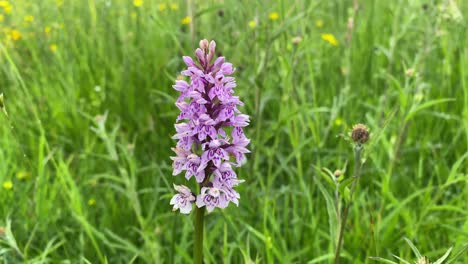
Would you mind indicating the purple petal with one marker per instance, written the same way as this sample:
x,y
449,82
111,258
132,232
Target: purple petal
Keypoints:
x,y
188,61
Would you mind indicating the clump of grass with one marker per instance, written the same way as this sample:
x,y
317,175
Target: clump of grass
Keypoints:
x,y
420,259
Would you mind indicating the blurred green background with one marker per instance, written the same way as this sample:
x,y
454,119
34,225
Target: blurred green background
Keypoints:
x,y
85,172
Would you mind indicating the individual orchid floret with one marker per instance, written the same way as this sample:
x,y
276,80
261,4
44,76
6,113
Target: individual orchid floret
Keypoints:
x,y
183,200
211,198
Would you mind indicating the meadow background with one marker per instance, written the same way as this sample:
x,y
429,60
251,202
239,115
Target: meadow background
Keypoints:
x,y
85,172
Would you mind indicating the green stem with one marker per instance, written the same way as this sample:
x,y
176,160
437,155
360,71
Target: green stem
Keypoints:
x,y
198,238
357,171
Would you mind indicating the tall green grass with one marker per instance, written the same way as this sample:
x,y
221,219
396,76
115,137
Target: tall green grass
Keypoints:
x,y
99,188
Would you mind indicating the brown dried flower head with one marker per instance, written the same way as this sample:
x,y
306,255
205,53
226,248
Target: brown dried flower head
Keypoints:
x,y
360,134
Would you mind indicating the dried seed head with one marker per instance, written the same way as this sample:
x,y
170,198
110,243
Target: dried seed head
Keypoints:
x,y
2,231
360,134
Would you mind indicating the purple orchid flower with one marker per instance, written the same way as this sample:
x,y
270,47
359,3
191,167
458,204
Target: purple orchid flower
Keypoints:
x,y
208,109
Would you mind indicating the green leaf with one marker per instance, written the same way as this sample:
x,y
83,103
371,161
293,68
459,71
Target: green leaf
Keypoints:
x,y
455,168
347,195
441,260
379,259
425,105
346,183
458,254
321,259
413,247
328,176
400,259
333,218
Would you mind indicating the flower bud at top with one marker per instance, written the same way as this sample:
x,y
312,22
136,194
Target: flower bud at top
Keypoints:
x,y
296,40
360,134
338,173
423,260
410,72
211,51
204,45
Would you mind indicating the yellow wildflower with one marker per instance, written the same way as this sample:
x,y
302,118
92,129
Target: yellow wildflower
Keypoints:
x,y
252,23
92,202
319,23
137,3
7,9
330,39
186,20
28,18
15,34
22,175
162,7
53,47
174,7
273,16
8,185
338,121
47,30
